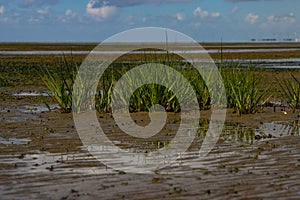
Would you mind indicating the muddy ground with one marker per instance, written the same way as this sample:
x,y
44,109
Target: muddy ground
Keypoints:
x,y
42,156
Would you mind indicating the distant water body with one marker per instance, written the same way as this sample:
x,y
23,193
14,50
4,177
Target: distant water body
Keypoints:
x,y
287,63
56,52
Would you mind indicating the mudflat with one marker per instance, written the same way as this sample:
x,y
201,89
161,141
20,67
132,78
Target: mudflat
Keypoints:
x,y
42,156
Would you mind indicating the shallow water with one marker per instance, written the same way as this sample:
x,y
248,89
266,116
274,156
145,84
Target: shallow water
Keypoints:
x,y
13,141
24,113
286,63
37,108
33,94
260,50
280,128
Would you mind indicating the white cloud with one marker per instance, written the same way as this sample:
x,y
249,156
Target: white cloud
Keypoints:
x,y
37,3
180,16
27,3
251,18
9,20
129,20
2,10
33,20
128,3
234,9
43,11
197,24
215,14
285,19
102,12
199,12
70,13
203,13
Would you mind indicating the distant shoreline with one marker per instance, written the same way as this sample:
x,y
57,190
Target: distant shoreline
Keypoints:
x,y
221,51
20,46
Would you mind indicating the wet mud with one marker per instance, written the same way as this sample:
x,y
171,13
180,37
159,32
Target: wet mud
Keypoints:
x,y
42,157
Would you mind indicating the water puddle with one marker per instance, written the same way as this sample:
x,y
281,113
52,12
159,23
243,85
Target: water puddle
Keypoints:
x,y
279,129
13,141
24,113
34,109
32,94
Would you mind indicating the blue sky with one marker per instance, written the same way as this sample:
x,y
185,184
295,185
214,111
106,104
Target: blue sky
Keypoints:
x,y
95,20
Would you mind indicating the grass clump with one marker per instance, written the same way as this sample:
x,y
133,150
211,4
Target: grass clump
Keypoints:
x,y
198,84
146,95
291,91
103,98
60,84
4,83
151,94
243,88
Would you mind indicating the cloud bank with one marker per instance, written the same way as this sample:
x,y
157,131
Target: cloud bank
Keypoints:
x,y
251,18
100,12
2,10
285,19
124,3
203,13
31,3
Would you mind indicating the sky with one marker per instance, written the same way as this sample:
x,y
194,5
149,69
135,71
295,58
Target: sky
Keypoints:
x,y
96,20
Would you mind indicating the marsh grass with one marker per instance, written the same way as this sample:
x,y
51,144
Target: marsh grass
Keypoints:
x,y
103,98
148,95
60,84
291,90
199,86
144,97
243,89
4,83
